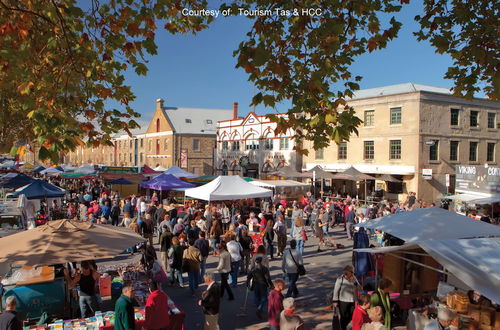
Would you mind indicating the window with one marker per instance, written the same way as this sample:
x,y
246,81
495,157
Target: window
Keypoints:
x,y
268,144
474,118
473,151
188,121
165,144
130,158
369,149
251,142
369,118
157,146
395,149
284,143
490,152
130,144
142,156
434,150
342,154
454,117
454,150
196,144
396,115
236,145
491,119
142,143
319,154
158,125
225,145
208,121
150,145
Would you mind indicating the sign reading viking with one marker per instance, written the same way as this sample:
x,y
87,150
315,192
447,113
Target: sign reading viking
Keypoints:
x,y
478,178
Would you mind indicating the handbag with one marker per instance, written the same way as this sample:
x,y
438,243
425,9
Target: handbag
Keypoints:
x,y
301,270
304,235
336,319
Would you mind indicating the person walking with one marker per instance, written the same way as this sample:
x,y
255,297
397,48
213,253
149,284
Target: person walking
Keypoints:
x,y
124,310
215,234
156,305
175,254
191,260
275,304
360,314
299,234
224,268
291,260
247,246
115,213
280,230
235,250
8,319
210,302
350,220
318,229
297,213
269,238
165,244
288,319
259,281
203,245
344,295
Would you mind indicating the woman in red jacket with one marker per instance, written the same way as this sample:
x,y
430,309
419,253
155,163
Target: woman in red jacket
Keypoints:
x,y
360,315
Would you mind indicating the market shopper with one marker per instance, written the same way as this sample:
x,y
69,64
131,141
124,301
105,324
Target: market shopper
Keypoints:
x,y
444,319
291,260
344,295
203,245
288,319
175,261
224,268
86,279
165,244
124,310
280,230
156,309
381,298
191,260
210,302
259,281
275,304
247,246
8,319
299,234
235,250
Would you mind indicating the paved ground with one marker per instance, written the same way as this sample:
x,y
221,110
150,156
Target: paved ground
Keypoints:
x,y
322,268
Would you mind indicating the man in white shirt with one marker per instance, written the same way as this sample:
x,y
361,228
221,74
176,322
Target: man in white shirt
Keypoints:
x,y
235,250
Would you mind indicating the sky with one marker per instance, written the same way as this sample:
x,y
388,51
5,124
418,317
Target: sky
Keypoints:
x,y
199,70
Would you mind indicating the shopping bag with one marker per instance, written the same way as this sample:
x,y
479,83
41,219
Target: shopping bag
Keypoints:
x,y
336,319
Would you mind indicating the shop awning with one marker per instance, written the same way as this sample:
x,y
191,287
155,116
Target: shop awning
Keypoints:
x,y
320,173
486,200
473,261
431,223
464,197
353,174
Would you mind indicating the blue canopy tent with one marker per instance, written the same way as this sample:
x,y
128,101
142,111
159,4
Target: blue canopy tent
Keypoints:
x,y
38,169
40,189
59,168
166,182
18,181
180,173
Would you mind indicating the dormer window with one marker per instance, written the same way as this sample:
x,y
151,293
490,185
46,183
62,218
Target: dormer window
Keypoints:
x,y
188,121
209,121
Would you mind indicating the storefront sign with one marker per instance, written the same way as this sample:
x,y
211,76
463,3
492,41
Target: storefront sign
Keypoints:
x,y
447,180
184,158
119,169
477,178
427,173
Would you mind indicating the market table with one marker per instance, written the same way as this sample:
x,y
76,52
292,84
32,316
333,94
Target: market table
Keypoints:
x,y
176,322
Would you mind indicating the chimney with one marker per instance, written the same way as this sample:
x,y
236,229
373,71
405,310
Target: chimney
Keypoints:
x,y
235,110
159,104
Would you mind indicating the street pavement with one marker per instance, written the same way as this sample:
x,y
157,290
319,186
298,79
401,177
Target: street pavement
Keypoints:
x,y
322,270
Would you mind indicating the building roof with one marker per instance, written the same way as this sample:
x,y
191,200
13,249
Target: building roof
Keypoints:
x,y
196,120
398,89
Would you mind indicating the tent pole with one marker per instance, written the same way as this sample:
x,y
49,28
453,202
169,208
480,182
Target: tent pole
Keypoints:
x,y
366,192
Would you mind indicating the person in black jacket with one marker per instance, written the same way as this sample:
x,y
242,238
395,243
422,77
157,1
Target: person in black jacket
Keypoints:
x,y
259,281
8,319
269,238
115,214
210,302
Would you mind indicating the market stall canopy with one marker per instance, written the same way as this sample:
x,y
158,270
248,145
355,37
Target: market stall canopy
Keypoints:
x,y
320,173
465,197
279,183
8,164
133,177
9,175
38,169
86,169
431,223
388,178
473,261
353,174
76,175
180,173
227,188
288,172
486,200
51,171
159,168
120,181
63,241
17,181
27,166
148,170
40,189
166,182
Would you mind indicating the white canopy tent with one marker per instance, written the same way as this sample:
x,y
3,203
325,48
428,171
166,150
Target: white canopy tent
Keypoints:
x,y
160,168
278,183
466,197
431,223
486,200
50,171
475,262
227,188
86,169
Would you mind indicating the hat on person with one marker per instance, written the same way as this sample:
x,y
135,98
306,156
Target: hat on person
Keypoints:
x,y
258,259
444,314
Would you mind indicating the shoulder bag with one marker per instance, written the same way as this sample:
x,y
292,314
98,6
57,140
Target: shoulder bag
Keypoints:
x,y
301,270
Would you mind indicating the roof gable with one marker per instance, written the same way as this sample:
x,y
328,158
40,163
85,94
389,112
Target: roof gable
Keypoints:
x,y
251,119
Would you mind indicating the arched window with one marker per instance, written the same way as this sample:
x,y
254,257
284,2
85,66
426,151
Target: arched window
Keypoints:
x,y
251,142
158,124
268,141
236,142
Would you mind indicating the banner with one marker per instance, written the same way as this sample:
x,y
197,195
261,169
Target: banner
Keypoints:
x,y
184,158
119,169
485,179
